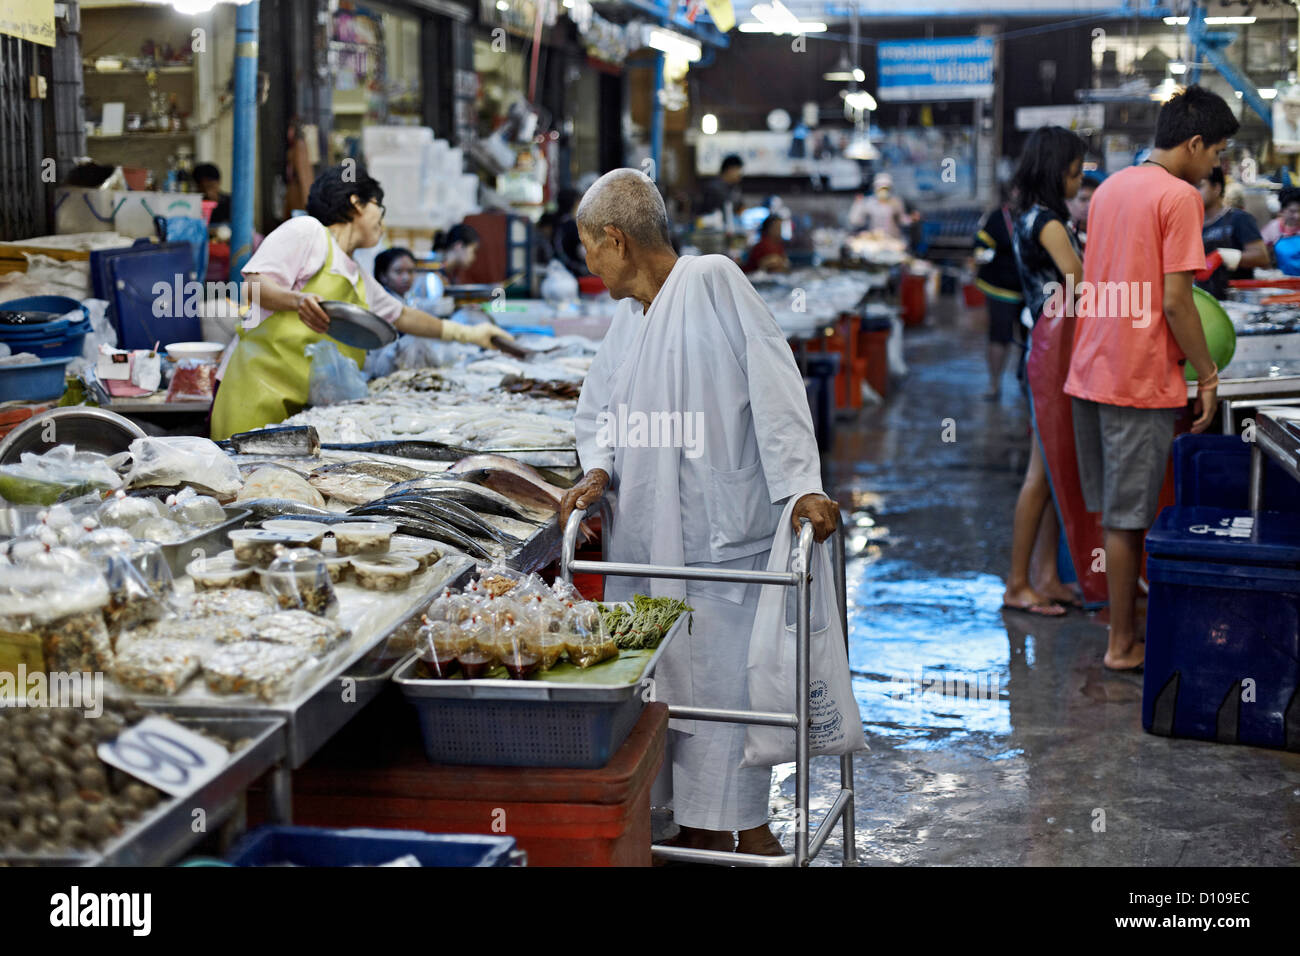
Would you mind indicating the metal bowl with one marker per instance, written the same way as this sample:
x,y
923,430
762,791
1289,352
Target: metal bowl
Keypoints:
x,y
89,429
358,327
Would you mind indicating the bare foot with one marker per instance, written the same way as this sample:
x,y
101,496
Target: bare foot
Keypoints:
x,y
759,841
1029,600
1132,656
1062,593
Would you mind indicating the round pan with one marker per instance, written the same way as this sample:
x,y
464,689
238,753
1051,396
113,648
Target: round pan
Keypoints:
x,y
358,327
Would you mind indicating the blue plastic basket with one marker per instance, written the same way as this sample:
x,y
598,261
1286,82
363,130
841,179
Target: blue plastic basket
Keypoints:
x,y
525,733
315,846
57,339
33,382
58,304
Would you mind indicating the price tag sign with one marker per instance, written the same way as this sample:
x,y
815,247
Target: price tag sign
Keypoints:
x,y
165,755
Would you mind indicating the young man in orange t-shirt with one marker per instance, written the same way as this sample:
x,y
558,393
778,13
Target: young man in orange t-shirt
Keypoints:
x,y
1137,325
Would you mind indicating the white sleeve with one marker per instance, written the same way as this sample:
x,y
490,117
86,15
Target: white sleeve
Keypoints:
x,y
381,302
778,401
593,403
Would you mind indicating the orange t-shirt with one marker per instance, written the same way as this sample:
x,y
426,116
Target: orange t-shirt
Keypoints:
x,y
1143,223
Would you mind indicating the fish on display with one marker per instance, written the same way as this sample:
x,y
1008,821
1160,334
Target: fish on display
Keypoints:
x,y
511,478
423,525
359,482
478,497
419,450
275,507
283,440
452,512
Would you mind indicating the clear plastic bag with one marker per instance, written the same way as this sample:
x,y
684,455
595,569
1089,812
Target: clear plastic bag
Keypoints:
x,y
299,580
137,584
334,378
188,507
121,511
588,643
183,460
60,473
60,608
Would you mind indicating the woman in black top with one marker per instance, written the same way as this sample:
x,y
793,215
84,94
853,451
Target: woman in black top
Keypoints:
x,y
1046,250
999,279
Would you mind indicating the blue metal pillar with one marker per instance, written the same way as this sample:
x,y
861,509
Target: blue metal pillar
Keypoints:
x,y
243,165
657,115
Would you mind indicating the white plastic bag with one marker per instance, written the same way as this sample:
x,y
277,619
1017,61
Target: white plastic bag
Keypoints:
x,y
333,378
183,460
559,286
101,333
835,722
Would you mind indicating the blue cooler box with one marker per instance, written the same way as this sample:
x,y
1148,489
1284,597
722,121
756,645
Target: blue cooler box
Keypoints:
x,y
1223,610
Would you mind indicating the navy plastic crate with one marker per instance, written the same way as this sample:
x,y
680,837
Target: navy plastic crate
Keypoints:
x,y
1223,627
315,846
34,382
1214,471
525,733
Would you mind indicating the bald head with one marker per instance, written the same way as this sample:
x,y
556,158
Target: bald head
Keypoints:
x,y
627,200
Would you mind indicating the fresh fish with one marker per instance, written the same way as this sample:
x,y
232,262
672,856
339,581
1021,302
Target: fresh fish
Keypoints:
x,y
286,440
412,522
482,499
451,512
359,482
419,450
329,517
275,507
388,471
522,483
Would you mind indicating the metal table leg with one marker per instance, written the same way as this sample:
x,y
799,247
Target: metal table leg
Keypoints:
x,y
1256,476
279,794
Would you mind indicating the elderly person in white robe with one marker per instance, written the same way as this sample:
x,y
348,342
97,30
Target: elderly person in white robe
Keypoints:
x,y
695,418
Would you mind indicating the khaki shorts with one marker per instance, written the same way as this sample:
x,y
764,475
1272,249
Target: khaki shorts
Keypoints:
x,y
1123,454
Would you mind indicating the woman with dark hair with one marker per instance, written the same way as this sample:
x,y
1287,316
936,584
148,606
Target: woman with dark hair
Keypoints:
x,y
457,248
303,262
1047,252
395,270
768,253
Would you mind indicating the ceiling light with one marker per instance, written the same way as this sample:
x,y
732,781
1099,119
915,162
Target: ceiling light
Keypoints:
x,y
859,100
1175,21
674,44
503,6
1177,67
1267,93
708,124
842,73
1229,21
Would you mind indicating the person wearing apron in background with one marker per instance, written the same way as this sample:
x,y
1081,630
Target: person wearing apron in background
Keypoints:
x,y
308,259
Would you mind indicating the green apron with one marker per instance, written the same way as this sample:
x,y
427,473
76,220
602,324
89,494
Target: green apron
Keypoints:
x,y
266,380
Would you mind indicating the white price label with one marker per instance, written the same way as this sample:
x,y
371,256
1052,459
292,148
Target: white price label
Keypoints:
x,y
165,755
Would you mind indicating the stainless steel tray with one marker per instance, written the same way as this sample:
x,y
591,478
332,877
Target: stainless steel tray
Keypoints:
x,y
167,831
337,695
486,689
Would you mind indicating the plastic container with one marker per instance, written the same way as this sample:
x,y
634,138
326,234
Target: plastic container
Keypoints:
x,y
363,537
59,338
425,553
299,580
384,572
34,382
220,572
1223,609
312,846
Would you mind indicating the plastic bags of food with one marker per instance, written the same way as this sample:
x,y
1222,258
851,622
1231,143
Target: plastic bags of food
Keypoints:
x,y
333,378
183,460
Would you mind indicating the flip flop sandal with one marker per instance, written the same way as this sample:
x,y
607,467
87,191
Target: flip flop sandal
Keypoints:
x,y
1038,610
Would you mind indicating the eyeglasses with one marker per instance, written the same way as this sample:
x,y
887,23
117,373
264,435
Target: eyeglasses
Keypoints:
x,y
382,210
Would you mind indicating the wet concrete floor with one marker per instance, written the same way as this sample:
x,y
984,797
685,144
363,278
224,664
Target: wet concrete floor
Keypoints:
x,y
1028,751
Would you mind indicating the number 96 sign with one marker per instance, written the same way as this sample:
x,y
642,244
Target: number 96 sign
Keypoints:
x,y
165,755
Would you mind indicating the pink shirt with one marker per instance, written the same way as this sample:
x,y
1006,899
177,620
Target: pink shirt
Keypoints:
x,y
1143,224
296,250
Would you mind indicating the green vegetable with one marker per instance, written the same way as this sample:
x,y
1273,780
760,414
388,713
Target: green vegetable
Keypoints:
x,y
645,624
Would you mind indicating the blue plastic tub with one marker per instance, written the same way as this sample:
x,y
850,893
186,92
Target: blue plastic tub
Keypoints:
x,y
35,382
1214,471
315,846
58,304
1223,627
57,339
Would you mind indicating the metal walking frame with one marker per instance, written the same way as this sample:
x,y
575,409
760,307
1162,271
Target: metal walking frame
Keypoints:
x,y
806,845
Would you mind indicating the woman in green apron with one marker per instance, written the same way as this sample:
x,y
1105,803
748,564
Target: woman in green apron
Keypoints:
x,y
303,262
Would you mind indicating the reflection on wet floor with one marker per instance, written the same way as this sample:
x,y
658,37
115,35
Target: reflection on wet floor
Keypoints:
x,y
998,738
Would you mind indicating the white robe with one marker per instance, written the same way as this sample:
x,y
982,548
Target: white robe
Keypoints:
x,y
709,494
